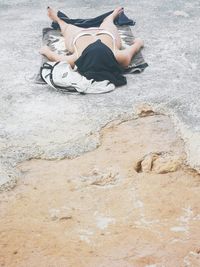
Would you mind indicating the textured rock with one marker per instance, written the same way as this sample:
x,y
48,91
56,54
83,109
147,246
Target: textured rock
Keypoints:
x,y
96,207
166,164
60,214
159,162
147,162
100,178
144,110
192,259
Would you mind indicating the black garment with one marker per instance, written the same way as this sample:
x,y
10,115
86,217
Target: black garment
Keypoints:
x,y
122,19
99,63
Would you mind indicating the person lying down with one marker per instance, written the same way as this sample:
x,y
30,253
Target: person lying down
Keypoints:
x,y
96,52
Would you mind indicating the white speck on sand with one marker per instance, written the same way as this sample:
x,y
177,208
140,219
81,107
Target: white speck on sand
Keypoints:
x,y
103,222
181,14
178,229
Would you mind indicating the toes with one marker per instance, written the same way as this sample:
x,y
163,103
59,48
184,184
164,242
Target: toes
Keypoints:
x,y
119,9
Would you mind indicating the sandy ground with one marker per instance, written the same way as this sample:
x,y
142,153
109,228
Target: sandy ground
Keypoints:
x,y
130,202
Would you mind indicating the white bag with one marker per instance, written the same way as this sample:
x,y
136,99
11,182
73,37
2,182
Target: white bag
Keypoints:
x,y
62,77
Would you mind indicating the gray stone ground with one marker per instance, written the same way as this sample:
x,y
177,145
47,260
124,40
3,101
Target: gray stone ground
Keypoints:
x,y
36,122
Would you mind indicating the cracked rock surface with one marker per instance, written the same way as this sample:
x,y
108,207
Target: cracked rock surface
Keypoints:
x,y
97,210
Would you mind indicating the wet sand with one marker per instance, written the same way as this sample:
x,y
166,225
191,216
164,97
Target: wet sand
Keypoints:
x,y
130,202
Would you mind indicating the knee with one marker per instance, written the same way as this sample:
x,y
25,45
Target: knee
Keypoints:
x,y
123,58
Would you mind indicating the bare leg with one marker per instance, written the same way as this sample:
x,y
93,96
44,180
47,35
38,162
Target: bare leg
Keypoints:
x,y
68,31
108,24
125,56
46,51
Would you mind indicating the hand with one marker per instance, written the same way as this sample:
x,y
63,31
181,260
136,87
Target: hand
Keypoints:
x,y
44,50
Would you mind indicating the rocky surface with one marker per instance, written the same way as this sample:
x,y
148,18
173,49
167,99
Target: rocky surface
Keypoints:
x,y
36,122
160,162
97,210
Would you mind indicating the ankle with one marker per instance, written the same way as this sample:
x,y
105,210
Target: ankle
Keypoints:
x,y
139,42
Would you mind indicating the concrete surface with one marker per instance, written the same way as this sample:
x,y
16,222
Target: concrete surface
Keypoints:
x,y
36,122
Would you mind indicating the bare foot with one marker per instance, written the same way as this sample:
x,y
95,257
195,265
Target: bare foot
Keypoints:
x,y
52,14
117,11
139,42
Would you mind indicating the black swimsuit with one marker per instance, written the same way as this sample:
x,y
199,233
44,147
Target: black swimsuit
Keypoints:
x,y
98,62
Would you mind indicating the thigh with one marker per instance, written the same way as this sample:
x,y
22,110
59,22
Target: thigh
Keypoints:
x,y
71,31
108,25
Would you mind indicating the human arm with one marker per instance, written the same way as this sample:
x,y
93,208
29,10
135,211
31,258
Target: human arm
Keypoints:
x,y
53,56
125,56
